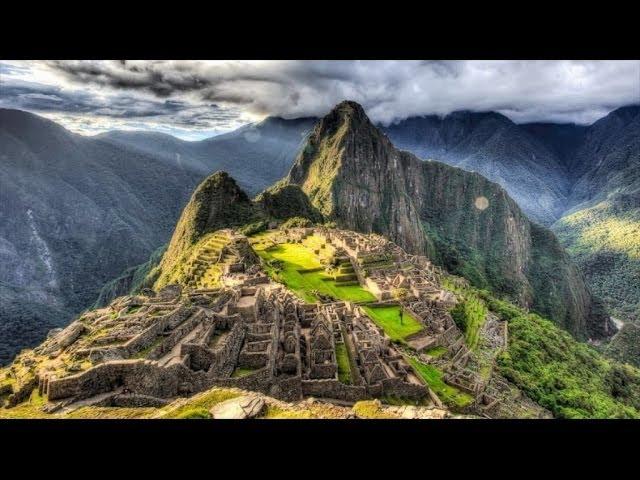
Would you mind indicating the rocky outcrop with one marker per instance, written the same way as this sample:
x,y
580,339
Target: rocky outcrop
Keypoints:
x,y
354,176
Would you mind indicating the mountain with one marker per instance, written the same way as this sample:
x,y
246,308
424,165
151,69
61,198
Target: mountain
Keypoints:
x,y
294,313
492,145
110,176
77,211
601,229
219,203
354,176
256,155
581,181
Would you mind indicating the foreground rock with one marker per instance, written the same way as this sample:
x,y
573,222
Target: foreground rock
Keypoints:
x,y
249,406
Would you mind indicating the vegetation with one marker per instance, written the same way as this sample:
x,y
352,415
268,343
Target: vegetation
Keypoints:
x,y
297,222
194,413
283,201
242,372
370,409
217,203
132,280
604,241
301,271
388,318
570,378
436,351
197,404
469,315
274,412
344,364
625,346
111,412
253,228
432,376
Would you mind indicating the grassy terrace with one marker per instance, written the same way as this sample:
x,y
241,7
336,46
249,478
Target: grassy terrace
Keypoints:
x,y
295,257
436,351
344,365
242,372
388,318
433,377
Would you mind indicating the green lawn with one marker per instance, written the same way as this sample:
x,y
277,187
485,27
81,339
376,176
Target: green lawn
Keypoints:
x,y
242,372
433,377
436,351
388,318
296,257
344,366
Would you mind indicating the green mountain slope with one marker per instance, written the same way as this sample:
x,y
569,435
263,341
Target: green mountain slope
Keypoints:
x,y
357,178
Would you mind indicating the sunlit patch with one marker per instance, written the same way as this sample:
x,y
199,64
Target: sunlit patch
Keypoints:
x,y
252,135
481,203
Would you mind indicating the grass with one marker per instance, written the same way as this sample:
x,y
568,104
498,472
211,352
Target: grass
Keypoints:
x,y
344,365
436,352
204,401
370,409
28,409
296,257
274,412
195,413
433,377
388,318
111,412
470,315
242,372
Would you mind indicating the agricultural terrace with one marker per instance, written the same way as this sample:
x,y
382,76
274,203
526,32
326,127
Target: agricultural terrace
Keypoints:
x,y
297,266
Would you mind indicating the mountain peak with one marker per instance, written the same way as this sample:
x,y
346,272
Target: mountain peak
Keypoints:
x,y
218,202
348,110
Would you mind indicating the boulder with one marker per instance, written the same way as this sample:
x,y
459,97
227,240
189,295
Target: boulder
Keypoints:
x,y
248,406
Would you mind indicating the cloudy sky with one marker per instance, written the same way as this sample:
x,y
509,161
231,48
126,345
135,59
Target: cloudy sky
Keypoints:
x,y
197,99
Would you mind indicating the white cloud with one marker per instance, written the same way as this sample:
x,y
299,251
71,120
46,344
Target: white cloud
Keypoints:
x,y
206,96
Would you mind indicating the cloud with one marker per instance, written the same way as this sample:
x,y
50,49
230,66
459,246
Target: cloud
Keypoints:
x,y
221,94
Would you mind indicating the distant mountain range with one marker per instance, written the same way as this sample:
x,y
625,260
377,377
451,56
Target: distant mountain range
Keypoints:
x,y
77,211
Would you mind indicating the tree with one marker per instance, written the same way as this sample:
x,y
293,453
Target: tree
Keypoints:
x,y
400,294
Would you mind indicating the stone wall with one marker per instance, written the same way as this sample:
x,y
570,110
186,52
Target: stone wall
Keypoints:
x,y
175,337
331,388
136,376
396,387
147,337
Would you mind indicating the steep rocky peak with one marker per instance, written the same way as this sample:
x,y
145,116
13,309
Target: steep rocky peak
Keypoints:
x,y
354,175
347,116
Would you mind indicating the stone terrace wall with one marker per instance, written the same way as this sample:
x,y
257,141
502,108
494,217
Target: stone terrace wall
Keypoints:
x,y
332,388
144,339
138,376
396,387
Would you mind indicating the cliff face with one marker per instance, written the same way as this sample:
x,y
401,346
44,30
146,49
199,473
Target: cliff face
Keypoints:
x,y
495,147
355,176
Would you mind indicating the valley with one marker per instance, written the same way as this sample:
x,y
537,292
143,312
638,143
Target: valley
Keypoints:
x,y
253,325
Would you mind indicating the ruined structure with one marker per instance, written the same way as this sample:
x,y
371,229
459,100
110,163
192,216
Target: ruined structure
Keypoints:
x,y
243,329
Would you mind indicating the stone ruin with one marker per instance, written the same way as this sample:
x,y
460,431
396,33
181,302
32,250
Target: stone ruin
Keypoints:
x,y
252,333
